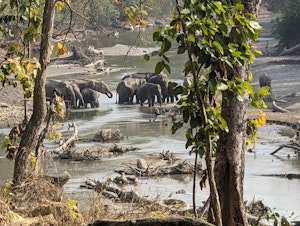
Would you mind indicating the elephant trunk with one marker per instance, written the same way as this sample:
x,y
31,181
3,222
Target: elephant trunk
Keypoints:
x,y
109,94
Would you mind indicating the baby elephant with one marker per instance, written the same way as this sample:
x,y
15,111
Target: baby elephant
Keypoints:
x,y
148,91
91,97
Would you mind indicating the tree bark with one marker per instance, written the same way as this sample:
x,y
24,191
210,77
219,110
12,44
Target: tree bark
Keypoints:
x,y
22,163
230,157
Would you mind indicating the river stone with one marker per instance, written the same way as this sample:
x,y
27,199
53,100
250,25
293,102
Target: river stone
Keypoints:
x,y
141,164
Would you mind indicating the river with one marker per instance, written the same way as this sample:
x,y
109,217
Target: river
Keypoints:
x,y
154,137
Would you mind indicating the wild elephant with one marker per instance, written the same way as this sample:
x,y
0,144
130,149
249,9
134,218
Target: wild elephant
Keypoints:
x,y
171,97
99,86
162,80
91,97
63,89
149,91
265,80
127,88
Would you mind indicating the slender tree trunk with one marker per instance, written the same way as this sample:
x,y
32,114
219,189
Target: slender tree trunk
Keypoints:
x,y
230,158
22,164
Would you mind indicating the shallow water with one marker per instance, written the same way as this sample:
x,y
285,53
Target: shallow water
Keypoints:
x,y
154,137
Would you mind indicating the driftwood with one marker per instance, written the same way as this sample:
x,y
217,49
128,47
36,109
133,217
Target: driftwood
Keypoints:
x,y
174,206
295,144
275,108
126,180
111,192
66,144
156,165
289,176
289,51
91,153
66,149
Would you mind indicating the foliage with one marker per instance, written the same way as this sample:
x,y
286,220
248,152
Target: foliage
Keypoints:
x,y
20,25
214,35
214,47
286,25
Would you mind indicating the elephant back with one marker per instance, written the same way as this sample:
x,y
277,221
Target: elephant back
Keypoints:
x,y
139,75
99,86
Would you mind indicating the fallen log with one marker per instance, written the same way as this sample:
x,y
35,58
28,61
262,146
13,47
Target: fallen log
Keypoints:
x,y
294,144
65,145
289,176
289,51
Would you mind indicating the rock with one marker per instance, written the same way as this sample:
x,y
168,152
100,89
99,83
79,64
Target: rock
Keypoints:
x,y
141,164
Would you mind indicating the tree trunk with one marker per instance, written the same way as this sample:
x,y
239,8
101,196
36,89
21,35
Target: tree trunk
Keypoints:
x,y
230,158
230,163
22,163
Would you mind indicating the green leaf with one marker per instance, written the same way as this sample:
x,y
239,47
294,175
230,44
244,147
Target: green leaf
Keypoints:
x,y
157,36
146,57
165,46
236,54
185,11
155,53
255,25
222,86
159,67
219,47
258,51
192,38
263,91
239,6
167,67
21,76
181,50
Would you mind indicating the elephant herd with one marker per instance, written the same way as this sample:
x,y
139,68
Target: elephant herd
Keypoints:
x,y
79,93
148,87
145,86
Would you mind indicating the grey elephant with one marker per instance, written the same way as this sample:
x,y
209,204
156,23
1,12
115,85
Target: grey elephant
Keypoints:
x,y
96,85
149,91
91,97
162,80
171,97
63,89
265,80
126,89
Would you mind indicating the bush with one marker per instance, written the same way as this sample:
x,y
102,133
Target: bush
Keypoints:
x,y
286,27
